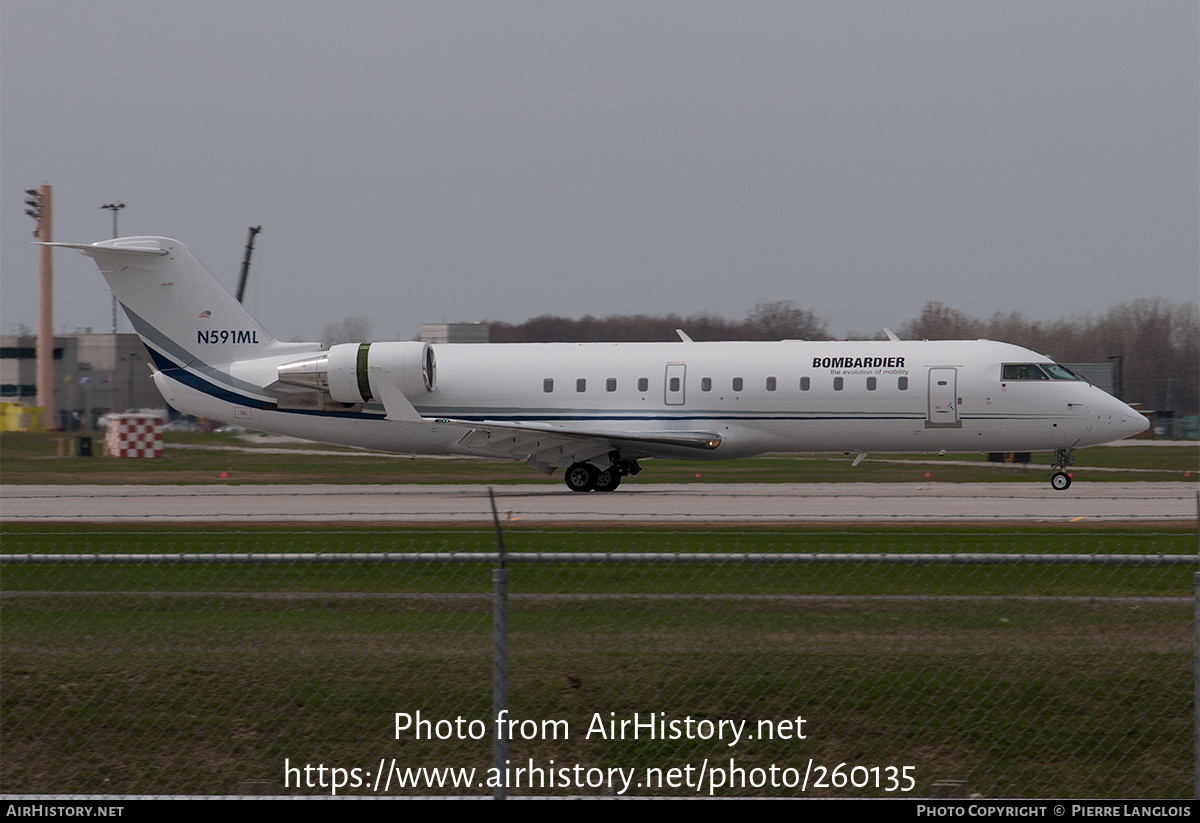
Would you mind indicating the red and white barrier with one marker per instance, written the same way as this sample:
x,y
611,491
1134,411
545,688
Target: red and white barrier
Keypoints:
x,y
134,435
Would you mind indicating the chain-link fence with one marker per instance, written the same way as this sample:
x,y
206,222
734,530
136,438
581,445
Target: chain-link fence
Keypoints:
x,y
853,664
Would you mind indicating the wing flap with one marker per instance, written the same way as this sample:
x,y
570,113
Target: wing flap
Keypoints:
x,y
547,448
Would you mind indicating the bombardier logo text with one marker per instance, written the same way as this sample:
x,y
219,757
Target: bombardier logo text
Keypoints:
x,y
858,362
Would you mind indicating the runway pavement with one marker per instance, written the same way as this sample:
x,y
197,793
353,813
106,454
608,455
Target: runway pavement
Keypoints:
x,y
697,504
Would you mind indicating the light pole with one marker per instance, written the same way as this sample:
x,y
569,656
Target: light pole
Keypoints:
x,y
39,203
115,208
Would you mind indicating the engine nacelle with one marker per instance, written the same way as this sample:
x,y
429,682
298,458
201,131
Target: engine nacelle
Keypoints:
x,y
344,370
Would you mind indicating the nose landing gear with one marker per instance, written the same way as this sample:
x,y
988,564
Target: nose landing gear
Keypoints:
x,y
1059,479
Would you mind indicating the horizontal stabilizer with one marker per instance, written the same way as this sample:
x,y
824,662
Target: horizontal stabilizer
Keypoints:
x,y
135,246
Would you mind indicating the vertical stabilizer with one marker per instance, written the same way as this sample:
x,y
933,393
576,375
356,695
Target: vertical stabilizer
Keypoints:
x,y
183,315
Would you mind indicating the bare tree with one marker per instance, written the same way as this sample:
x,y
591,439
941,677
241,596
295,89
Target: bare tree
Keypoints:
x,y
766,321
940,322
347,330
784,320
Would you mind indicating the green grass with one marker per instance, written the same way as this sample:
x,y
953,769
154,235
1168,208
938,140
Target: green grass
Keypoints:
x,y
194,696
646,578
202,679
32,458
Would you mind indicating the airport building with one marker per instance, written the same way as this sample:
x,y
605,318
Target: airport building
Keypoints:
x,y
455,333
93,374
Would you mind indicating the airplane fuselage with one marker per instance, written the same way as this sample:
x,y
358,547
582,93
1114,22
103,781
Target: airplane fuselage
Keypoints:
x,y
596,409
886,396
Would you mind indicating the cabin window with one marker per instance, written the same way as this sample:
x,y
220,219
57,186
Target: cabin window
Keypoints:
x,y
705,384
838,383
1022,371
737,384
871,384
673,384
581,384
610,384
805,384
902,383
770,384
548,385
643,384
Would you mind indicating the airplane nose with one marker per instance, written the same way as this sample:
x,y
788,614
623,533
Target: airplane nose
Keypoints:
x,y
1128,421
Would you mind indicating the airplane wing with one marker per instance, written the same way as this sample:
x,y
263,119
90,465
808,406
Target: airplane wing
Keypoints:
x,y
543,447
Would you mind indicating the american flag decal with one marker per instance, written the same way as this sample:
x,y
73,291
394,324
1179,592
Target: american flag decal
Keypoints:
x,y
206,313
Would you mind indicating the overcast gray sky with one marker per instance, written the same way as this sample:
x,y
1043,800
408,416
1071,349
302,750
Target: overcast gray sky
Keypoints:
x,y
428,161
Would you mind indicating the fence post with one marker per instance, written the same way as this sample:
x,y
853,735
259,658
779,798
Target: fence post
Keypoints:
x,y
499,661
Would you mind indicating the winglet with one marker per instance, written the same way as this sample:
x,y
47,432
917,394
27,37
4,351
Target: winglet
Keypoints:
x,y
891,335
683,336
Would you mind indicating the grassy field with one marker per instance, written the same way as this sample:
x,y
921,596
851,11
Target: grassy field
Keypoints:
x,y
1024,681
447,577
229,458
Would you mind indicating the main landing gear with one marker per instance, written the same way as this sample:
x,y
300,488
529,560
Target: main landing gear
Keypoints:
x,y
1059,479
584,477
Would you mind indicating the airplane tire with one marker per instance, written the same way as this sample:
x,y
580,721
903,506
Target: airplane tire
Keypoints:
x,y
581,477
608,480
1060,481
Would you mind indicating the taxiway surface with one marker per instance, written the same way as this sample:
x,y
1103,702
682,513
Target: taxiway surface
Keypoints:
x,y
699,504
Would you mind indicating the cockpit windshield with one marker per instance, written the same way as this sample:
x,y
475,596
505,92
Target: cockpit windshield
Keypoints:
x,y
1058,372
1022,371
1036,371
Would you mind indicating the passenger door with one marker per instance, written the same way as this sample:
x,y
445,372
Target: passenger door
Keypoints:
x,y
673,389
943,399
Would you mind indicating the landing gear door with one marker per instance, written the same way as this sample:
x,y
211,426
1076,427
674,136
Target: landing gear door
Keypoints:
x,y
943,399
673,395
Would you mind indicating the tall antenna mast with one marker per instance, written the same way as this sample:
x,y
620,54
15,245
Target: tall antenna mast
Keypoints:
x,y
246,263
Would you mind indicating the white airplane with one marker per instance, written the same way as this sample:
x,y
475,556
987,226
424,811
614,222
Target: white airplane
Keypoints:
x,y
596,409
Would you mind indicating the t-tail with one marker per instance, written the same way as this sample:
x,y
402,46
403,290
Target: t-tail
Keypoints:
x,y
196,333
183,315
